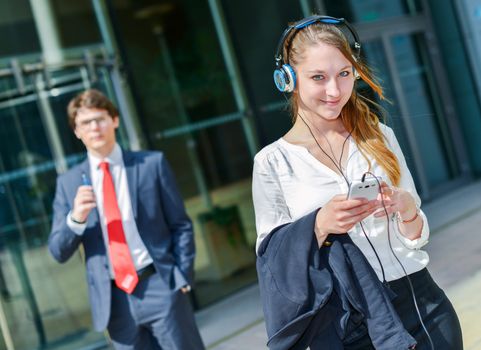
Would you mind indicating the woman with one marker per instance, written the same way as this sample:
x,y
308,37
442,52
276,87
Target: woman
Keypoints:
x,y
336,138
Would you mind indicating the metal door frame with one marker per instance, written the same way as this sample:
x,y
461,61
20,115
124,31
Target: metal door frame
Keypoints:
x,y
33,82
421,24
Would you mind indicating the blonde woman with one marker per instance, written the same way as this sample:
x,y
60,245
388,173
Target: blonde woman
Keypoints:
x,y
337,272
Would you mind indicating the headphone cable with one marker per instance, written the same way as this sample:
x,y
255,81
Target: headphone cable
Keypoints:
x,y
411,287
339,167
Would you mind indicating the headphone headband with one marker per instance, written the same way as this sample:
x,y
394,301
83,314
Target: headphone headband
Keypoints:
x,y
311,20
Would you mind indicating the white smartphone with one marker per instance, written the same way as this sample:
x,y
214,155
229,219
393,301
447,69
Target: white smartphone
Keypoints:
x,y
368,189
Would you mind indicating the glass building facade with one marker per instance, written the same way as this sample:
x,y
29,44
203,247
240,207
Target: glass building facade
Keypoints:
x,y
194,80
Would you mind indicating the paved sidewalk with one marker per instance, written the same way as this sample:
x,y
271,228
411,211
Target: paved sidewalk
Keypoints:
x,y
455,251
455,254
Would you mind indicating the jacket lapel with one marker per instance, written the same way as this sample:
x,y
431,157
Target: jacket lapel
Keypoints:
x,y
131,170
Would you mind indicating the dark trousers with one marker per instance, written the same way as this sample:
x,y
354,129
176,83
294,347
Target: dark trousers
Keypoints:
x,y
436,311
152,319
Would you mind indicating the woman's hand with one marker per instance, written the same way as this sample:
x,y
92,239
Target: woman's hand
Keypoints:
x,y
339,215
396,200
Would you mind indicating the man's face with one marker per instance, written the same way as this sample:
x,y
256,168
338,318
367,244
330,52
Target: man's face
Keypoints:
x,y
96,128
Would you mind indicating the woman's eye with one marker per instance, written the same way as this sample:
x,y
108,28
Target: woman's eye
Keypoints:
x,y
344,73
317,77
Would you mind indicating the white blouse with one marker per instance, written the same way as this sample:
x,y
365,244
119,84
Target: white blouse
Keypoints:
x,y
289,182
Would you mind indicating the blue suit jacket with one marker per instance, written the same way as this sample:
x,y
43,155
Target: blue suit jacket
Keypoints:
x,y
161,220
320,296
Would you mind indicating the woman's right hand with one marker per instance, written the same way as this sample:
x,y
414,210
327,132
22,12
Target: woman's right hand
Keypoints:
x,y
339,215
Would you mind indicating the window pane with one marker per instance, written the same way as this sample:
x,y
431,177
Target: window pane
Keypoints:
x,y
371,10
76,23
177,68
427,125
374,52
45,303
17,29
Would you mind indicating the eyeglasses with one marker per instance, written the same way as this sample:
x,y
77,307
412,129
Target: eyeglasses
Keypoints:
x,y
101,121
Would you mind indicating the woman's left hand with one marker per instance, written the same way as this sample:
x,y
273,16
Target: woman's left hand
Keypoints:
x,y
396,200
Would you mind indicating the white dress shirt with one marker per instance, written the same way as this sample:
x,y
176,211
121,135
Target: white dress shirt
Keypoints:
x,y
289,182
138,251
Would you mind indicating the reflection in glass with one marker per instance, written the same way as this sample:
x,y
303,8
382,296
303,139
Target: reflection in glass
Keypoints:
x,y
414,77
422,116
17,29
76,23
371,10
374,53
181,82
45,303
182,31
24,222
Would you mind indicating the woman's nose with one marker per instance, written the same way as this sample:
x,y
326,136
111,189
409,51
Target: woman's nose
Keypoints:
x,y
332,88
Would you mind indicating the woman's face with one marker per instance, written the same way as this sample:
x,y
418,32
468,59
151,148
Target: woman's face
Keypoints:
x,y
325,81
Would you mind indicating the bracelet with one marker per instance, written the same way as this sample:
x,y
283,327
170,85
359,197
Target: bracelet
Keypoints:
x,y
399,218
76,221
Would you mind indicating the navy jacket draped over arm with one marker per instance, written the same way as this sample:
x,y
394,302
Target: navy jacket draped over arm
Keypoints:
x,y
310,293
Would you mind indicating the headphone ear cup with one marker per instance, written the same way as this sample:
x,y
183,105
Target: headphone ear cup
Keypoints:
x,y
285,78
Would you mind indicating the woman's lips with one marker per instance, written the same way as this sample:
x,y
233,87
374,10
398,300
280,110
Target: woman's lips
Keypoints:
x,y
331,103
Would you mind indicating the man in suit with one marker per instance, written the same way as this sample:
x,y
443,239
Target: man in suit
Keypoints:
x,y
126,211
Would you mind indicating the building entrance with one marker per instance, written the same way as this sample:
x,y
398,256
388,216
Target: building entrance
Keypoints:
x,y
42,304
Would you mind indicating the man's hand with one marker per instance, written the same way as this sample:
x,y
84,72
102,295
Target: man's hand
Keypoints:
x,y
186,289
83,203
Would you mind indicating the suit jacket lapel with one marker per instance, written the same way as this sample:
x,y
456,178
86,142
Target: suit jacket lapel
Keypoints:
x,y
131,170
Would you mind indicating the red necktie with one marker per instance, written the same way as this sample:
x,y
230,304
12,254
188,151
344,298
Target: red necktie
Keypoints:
x,y
125,274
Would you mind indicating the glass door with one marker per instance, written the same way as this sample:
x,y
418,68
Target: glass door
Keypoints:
x,y
43,304
414,115
193,107
420,108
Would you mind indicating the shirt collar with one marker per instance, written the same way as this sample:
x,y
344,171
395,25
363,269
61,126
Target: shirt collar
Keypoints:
x,y
114,158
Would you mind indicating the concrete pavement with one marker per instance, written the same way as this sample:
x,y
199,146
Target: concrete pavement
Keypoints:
x,y
236,323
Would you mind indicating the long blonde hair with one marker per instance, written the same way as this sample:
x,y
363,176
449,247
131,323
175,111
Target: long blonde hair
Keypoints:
x,y
357,115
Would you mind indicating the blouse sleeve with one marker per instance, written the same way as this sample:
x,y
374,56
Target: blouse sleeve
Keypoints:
x,y
270,207
407,183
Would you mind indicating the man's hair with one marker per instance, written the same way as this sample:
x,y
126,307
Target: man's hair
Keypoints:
x,y
90,98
